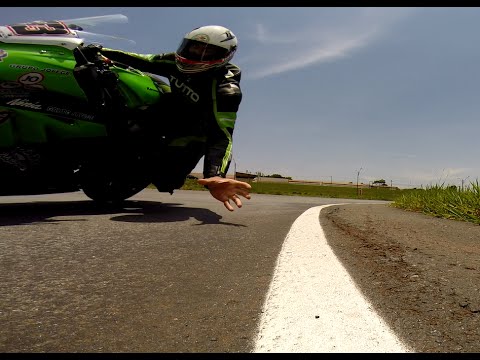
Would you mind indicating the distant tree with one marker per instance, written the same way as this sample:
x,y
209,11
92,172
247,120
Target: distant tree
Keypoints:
x,y
278,176
380,182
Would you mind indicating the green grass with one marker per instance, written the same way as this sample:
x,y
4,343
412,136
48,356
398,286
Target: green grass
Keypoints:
x,y
313,190
442,201
343,192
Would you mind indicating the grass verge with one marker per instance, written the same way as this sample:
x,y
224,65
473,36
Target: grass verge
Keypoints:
x,y
313,190
449,202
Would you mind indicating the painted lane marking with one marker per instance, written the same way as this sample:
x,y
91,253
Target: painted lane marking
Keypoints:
x,y
313,305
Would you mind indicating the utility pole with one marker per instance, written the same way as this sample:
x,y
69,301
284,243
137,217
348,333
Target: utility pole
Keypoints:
x,y
358,175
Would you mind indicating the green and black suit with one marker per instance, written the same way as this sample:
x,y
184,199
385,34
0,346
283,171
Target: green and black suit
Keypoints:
x,y
200,113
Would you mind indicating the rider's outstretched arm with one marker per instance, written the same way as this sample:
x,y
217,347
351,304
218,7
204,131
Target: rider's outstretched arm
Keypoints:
x,y
159,64
227,98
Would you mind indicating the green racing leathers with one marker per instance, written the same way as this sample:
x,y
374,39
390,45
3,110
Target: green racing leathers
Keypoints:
x,y
202,109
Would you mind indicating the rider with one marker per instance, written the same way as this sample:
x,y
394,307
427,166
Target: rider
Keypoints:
x,y
201,108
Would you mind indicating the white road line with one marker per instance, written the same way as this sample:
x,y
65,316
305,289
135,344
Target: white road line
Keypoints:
x,y
313,305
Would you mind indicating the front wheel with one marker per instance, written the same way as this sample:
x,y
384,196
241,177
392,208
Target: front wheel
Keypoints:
x,y
104,186
111,191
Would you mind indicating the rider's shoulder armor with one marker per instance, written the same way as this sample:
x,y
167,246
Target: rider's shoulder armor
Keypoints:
x,y
229,94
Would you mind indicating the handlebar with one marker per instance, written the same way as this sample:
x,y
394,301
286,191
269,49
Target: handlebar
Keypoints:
x,y
90,54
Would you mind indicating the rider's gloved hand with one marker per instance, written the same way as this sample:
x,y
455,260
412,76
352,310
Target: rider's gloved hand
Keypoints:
x,y
91,51
93,48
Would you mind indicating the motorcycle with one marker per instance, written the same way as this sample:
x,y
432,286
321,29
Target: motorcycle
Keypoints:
x,y
66,115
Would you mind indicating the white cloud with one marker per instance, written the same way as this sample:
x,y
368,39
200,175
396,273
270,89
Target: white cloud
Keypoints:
x,y
331,36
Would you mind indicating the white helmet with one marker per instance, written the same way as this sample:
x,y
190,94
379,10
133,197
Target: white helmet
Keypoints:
x,y
204,48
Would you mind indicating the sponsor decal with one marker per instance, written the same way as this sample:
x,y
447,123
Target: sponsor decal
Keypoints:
x,y
58,110
45,70
40,28
229,36
30,78
201,37
68,112
23,67
4,116
3,54
10,85
7,88
82,116
25,103
38,105
187,91
34,87
55,71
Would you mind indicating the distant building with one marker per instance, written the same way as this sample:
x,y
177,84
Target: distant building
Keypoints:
x,y
247,177
244,176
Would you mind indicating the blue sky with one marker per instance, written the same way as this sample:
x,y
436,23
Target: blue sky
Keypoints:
x,y
329,91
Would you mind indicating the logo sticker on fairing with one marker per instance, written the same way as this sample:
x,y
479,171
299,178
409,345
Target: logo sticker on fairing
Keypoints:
x,y
31,78
3,54
40,28
26,104
34,68
12,89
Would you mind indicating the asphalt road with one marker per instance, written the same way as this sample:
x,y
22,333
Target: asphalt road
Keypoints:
x,y
164,273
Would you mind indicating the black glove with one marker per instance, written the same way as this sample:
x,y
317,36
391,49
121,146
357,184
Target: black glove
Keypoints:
x,y
93,47
91,51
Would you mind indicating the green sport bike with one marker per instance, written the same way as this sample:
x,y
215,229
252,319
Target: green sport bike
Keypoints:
x,y
66,115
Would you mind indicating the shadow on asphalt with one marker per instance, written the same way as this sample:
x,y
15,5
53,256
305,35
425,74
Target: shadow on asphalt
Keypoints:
x,y
128,211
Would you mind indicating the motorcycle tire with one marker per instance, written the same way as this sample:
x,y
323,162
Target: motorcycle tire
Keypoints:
x,y
110,192
104,187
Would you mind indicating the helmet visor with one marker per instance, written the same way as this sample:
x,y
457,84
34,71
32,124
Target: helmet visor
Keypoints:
x,y
200,51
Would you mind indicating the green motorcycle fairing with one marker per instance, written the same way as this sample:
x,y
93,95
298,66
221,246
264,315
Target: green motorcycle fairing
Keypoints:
x,y
40,98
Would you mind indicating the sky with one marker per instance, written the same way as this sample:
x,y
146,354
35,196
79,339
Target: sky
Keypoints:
x,y
332,94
